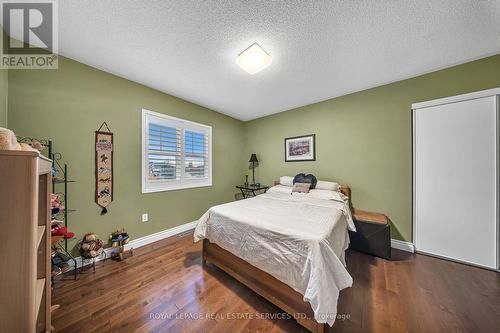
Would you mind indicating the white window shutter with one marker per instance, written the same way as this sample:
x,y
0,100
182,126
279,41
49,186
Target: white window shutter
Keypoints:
x,y
164,153
176,153
196,157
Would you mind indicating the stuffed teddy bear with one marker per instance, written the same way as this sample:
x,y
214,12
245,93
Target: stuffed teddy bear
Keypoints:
x,y
91,246
8,141
55,203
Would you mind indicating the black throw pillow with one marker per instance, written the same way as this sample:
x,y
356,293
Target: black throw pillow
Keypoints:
x,y
303,178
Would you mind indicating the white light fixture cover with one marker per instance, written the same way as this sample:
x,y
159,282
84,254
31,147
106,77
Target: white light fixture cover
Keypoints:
x,y
254,59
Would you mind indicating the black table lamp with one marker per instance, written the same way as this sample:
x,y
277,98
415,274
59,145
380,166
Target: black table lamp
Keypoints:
x,y
253,159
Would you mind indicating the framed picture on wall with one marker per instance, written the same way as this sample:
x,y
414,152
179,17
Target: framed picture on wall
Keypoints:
x,y
300,148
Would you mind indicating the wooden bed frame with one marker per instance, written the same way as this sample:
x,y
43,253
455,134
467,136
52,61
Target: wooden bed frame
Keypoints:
x,y
264,284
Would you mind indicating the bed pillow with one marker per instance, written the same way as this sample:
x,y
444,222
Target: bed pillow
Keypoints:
x,y
286,181
303,178
301,187
323,185
326,195
280,189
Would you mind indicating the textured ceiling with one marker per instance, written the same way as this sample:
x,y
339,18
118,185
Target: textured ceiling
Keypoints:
x,y
320,49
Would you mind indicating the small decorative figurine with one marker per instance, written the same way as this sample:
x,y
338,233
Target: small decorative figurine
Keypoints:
x,y
246,180
118,240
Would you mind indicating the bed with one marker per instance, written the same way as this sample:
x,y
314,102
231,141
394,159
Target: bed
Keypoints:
x,y
290,249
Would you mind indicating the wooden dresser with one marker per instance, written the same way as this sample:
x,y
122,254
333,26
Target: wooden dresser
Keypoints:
x,y
25,187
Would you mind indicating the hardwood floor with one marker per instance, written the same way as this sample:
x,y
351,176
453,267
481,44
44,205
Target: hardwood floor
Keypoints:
x,y
164,288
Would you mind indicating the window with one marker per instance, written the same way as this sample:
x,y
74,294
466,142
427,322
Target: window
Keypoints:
x,y
176,153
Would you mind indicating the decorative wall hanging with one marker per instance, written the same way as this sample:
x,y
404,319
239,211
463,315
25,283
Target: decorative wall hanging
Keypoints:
x,y
103,167
300,148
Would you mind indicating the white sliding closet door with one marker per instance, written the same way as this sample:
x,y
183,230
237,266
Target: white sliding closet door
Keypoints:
x,y
455,180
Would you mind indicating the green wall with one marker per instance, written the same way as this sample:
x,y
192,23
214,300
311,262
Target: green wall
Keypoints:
x,y
68,105
364,139
4,91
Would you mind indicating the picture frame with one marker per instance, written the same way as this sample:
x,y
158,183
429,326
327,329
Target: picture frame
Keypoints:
x,y
300,148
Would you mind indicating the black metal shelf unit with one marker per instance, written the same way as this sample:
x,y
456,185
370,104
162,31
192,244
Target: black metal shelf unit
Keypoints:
x,y
63,170
59,169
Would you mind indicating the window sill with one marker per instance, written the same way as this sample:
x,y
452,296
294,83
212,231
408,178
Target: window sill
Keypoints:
x,y
173,188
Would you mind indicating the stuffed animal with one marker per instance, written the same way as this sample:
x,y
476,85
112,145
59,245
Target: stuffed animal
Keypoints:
x,y
62,231
119,238
91,246
8,141
119,235
55,203
36,145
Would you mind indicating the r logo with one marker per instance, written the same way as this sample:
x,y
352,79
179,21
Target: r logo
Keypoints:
x,y
31,33
30,24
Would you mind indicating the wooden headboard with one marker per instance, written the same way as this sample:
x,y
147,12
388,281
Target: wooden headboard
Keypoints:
x,y
344,189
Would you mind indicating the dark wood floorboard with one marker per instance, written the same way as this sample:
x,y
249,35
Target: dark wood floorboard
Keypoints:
x,y
164,288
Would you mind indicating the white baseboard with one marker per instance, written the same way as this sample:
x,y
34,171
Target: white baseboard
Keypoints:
x,y
403,246
142,241
160,235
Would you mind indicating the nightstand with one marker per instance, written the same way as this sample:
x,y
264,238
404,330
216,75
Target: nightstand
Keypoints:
x,y
373,234
251,190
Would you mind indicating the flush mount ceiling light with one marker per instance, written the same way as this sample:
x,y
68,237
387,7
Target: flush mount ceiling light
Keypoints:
x,y
253,59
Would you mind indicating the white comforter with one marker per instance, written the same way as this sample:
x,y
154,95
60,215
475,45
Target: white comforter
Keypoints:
x,y
297,239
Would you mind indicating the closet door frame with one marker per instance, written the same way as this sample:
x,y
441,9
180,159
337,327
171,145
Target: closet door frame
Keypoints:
x,y
442,101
